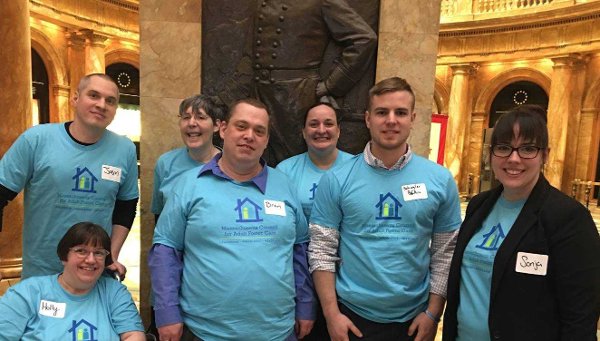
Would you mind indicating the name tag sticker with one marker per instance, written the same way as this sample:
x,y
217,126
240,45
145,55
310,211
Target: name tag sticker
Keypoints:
x,y
414,192
275,207
532,263
53,309
111,173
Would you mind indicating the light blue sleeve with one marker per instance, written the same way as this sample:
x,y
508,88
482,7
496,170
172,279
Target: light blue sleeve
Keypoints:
x,y
327,210
157,198
447,217
171,225
124,315
16,166
129,189
15,312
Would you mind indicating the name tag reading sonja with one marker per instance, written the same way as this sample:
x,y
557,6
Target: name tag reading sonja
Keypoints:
x,y
53,309
414,192
275,207
532,263
111,173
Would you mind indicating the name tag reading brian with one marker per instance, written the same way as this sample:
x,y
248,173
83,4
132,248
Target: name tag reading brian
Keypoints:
x,y
53,309
275,207
414,192
111,173
532,263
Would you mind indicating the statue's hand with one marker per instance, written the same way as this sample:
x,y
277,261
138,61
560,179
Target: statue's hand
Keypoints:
x,y
321,89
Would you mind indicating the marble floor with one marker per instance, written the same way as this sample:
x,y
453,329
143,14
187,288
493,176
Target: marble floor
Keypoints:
x,y
131,251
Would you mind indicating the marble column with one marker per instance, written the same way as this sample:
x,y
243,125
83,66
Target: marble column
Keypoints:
x,y
587,145
474,152
407,48
566,93
170,52
94,51
459,117
61,97
15,59
76,61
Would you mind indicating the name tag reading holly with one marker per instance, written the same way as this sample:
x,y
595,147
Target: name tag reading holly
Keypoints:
x,y
275,207
532,263
414,192
53,309
111,173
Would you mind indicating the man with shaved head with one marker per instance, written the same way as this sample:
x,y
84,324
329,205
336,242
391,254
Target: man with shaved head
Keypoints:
x,y
71,172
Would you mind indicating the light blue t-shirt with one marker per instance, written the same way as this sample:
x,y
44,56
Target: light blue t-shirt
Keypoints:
x,y
477,267
237,243
305,176
386,219
38,308
65,183
168,167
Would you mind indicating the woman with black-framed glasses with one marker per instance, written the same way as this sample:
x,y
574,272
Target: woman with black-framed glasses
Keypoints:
x,y
527,260
76,304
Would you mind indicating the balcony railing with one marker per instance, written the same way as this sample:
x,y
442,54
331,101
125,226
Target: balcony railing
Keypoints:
x,y
463,10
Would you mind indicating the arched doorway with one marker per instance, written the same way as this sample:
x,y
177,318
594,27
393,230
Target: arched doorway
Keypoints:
x,y
512,95
515,94
40,90
127,120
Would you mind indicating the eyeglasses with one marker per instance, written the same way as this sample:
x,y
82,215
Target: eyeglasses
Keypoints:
x,y
83,252
196,116
524,152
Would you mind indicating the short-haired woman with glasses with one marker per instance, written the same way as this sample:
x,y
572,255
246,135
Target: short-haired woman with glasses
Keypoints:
x,y
527,259
199,119
77,304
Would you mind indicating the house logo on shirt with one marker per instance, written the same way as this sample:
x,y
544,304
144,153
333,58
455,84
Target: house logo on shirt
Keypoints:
x,y
84,180
388,207
492,239
313,191
248,211
82,330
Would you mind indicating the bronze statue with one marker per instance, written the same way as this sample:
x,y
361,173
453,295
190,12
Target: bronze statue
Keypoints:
x,y
282,60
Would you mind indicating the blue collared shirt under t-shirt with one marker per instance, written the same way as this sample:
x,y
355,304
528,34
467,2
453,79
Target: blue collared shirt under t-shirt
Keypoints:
x,y
238,242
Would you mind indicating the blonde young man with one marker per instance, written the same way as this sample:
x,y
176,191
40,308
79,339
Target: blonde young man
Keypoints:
x,y
373,219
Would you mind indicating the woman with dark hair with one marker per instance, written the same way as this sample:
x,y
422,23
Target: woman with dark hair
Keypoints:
x,y
321,133
77,304
527,259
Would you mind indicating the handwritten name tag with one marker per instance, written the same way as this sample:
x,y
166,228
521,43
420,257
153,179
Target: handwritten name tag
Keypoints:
x,y
53,309
111,173
275,207
532,263
414,192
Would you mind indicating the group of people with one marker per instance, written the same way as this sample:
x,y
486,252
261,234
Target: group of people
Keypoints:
x,y
327,245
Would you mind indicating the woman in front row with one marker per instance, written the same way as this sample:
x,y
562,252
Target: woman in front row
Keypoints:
x,y
527,259
77,304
